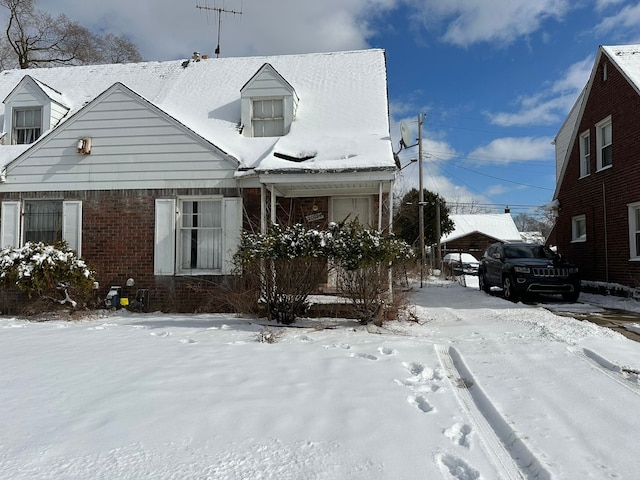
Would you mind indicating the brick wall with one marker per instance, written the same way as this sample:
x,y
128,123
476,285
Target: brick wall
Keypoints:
x,y
605,254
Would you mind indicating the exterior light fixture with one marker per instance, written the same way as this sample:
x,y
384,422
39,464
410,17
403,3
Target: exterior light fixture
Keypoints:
x,y
84,146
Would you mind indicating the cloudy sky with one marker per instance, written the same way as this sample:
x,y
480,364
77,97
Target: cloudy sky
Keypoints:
x,y
495,79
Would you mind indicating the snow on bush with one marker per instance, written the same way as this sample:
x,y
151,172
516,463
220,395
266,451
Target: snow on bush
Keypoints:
x,y
289,263
46,271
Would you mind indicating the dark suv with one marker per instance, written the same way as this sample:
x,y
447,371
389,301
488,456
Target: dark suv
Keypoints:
x,y
521,269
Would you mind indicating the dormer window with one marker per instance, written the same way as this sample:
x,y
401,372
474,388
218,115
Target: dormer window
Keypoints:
x,y
27,125
268,104
267,118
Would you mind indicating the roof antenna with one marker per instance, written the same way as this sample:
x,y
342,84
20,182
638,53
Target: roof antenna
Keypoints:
x,y
219,11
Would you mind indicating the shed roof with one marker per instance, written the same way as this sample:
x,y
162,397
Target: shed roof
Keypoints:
x,y
499,226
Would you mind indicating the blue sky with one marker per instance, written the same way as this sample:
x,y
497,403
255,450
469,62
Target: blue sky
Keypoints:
x,y
495,78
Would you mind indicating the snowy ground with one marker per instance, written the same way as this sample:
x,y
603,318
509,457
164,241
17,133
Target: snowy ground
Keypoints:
x,y
478,388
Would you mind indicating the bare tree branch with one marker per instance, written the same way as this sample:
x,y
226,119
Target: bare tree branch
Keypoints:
x,y
34,38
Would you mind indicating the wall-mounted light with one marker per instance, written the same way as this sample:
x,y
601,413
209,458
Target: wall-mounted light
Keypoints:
x,y
84,146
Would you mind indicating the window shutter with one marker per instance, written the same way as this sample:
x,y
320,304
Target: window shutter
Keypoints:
x,y
232,229
72,225
165,237
10,225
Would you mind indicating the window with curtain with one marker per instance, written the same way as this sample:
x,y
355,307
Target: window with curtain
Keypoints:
x,y
585,154
200,235
43,221
268,117
604,139
27,125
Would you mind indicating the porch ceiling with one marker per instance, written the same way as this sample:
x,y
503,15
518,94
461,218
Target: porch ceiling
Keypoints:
x,y
328,185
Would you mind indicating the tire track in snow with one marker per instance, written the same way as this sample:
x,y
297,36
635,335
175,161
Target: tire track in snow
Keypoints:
x,y
629,379
505,449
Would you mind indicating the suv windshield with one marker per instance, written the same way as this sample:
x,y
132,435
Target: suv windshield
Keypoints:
x,y
526,251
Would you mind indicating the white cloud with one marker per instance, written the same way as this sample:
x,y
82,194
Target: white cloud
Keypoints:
x,y
166,29
514,149
494,21
550,105
626,19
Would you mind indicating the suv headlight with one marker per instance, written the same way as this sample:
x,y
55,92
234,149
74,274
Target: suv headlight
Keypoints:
x,y
522,269
573,270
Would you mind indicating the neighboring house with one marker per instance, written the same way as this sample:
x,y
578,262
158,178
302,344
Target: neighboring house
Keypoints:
x,y
473,233
151,170
597,197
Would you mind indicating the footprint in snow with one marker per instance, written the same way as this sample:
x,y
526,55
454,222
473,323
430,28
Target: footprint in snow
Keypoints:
x,y
455,467
304,338
387,351
187,341
458,433
160,334
420,402
366,356
344,346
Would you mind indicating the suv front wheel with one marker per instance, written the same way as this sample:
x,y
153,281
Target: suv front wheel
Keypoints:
x,y
482,283
507,289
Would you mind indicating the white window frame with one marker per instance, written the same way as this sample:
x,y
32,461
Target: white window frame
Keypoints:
x,y
215,231
30,132
271,123
585,154
579,228
170,241
634,231
603,143
12,227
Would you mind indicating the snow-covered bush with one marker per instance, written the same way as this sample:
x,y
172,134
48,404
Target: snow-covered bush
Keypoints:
x,y
43,271
289,263
365,258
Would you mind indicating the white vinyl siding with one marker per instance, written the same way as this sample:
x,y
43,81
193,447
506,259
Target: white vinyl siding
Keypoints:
x,y
196,235
585,154
579,228
604,141
634,231
134,146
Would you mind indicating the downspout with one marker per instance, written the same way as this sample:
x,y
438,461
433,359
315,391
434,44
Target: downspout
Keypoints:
x,y
606,246
390,203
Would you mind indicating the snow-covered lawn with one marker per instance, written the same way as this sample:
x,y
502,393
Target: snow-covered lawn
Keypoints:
x,y
478,388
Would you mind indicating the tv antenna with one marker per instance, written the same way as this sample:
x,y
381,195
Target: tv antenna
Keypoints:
x,y
219,11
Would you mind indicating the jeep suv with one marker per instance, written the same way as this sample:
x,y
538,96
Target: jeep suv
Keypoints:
x,y
522,269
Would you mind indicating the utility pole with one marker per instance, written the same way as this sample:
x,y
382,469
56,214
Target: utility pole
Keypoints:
x,y
421,200
219,11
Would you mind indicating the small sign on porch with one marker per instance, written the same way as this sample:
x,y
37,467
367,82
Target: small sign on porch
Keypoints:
x,y
314,217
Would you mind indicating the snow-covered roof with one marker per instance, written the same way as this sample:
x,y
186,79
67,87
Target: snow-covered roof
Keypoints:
x,y
341,120
499,226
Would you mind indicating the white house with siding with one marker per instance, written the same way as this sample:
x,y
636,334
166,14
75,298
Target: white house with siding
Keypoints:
x,y
151,170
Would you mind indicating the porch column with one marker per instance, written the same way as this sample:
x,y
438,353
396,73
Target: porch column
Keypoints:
x,y
273,204
380,207
263,208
